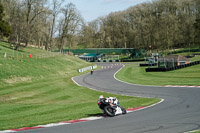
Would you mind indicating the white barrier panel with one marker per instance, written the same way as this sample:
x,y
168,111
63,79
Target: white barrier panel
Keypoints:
x,y
87,68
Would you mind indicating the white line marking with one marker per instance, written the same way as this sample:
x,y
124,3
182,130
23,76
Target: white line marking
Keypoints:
x,y
89,118
182,86
75,81
162,100
92,118
7,131
151,85
53,125
131,83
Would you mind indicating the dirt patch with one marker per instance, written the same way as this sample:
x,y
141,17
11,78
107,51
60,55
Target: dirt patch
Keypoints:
x,y
15,79
4,98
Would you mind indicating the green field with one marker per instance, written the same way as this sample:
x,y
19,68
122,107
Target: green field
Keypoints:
x,y
132,73
40,90
195,132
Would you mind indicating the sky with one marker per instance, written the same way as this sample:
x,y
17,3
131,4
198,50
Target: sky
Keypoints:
x,y
92,9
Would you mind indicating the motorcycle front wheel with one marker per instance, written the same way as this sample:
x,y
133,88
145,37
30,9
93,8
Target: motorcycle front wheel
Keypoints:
x,y
123,110
109,111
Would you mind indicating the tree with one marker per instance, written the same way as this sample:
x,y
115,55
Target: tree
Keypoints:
x,y
70,24
197,31
55,10
162,24
5,29
33,8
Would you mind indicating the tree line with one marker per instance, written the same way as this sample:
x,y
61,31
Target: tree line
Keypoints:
x,y
46,24
55,24
160,24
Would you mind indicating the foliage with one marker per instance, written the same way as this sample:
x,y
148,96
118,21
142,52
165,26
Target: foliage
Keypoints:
x,y
161,24
36,22
5,29
70,23
155,25
197,31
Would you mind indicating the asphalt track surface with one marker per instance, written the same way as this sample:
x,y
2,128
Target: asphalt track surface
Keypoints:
x,y
179,113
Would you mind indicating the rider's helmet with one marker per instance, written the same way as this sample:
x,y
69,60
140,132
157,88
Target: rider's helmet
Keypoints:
x,y
101,96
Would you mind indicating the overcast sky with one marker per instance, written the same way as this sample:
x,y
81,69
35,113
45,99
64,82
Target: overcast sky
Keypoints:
x,y
92,9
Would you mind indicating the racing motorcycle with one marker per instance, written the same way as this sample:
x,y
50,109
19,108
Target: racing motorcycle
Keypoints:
x,y
110,110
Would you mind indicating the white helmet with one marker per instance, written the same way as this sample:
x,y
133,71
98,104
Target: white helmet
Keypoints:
x,y
101,96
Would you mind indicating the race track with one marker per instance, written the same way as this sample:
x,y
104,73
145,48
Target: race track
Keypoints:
x,y
179,113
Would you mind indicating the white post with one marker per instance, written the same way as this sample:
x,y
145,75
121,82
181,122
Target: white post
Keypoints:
x,y
5,55
173,62
13,51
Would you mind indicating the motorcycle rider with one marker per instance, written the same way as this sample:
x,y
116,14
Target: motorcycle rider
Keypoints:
x,y
92,71
113,108
112,100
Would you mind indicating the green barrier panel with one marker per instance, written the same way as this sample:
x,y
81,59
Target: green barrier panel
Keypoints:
x,y
117,51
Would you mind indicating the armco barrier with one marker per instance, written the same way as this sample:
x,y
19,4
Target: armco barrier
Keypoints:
x,y
172,68
87,68
144,65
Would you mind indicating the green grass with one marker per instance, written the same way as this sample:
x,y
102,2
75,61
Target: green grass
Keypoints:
x,y
194,132
53,100
40,90
132,73
22,52
196,58
183,51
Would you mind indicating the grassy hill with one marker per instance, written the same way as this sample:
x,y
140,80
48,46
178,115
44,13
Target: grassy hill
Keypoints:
x,y
132,73
40,90
18,67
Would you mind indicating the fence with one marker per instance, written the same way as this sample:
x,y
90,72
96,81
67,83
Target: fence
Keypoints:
x,y
164,69
109,51
22,56
167,63
87,68
111,57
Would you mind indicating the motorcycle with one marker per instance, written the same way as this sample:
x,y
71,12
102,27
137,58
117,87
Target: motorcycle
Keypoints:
x,y
110,110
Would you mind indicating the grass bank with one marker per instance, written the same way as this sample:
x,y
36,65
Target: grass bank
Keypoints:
x,y
40,90
198,131
132,73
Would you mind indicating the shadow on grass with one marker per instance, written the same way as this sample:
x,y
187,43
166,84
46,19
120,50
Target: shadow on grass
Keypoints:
x,y
97,114
11,48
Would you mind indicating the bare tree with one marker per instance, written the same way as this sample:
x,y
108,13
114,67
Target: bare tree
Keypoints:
x,y
161,24
71,23
33,9
56,9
